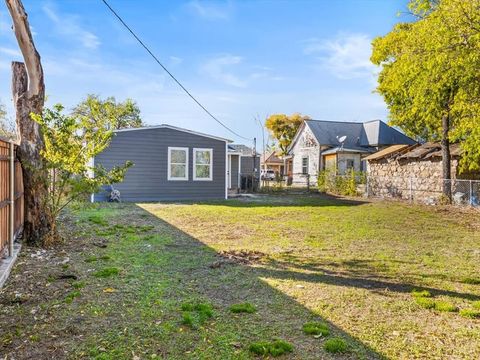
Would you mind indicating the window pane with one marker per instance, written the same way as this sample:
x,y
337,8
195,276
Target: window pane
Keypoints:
x,y
178,156
202,157
177,171
202,171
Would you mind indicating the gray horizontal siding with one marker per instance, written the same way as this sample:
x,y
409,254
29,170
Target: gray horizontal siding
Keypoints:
x,y
147,179
246,165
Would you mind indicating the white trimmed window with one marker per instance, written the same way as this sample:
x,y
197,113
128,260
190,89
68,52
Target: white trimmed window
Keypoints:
x,y
178,163
202,164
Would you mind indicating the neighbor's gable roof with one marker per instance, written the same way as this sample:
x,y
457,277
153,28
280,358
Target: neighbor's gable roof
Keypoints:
x,y
166,126
271,158
243,150
367,134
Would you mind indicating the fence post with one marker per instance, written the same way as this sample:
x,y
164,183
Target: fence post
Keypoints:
x,y
470,199
12,199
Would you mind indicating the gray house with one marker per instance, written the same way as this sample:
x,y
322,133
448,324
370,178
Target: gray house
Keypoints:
x,y
241,162
337,145
170,163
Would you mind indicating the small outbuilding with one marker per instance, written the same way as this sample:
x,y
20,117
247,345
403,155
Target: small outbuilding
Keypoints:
x,y
170,164
415,172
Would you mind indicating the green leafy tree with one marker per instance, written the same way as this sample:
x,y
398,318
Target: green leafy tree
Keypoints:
x,y
283,128
70,144
429,77
122,114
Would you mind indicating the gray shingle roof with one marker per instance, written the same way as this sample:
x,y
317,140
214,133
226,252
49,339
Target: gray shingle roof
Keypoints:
x,y
372,133
243,149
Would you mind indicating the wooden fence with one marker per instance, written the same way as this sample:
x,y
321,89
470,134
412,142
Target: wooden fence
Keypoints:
x,y
11,198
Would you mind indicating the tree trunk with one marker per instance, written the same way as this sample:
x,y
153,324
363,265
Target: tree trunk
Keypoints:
x,y
29,96
446,159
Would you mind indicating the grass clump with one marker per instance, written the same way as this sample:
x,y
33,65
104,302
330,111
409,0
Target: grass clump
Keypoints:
x,y
196,314
426,303
91,259
97,219
316,328
476,305
421,293
445,306
471,281
71,296
335,345
470,313
273,348
107,272
78,285
243,308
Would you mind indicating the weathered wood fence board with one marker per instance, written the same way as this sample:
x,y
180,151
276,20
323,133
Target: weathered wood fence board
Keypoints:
x,y
6,204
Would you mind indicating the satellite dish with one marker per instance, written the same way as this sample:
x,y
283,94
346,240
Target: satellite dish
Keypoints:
x,y
342,139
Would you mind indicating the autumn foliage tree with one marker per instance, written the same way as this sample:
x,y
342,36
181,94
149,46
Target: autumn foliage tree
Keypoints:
x,y
429,76
284,127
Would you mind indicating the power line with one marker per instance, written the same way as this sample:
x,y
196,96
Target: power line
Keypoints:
x,y
169,73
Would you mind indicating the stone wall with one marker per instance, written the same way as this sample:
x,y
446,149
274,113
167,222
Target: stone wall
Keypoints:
x,y
415,179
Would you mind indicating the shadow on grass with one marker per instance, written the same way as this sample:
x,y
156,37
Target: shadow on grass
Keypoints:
x,y
355,276
190,273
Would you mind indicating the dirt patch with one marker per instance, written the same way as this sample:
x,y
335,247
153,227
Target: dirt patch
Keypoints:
x,y
245,257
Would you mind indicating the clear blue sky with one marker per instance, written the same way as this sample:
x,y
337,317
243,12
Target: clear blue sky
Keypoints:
x,y
240,58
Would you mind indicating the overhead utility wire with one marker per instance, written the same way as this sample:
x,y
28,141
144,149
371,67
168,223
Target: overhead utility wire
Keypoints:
x,y
169,73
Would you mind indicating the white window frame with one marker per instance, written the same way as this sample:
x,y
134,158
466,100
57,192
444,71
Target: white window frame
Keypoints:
x,y
195,178
169,164
307,166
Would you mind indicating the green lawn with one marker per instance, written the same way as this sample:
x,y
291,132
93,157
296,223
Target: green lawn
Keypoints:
x,y
389,280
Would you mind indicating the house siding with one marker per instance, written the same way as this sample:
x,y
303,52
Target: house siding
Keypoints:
x,y
246,165
342,162
234,171
147,179
306,146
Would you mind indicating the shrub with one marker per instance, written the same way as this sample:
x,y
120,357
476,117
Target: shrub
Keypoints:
x,y
243,308
274,348
316,328
107,272
329,182
421,293
476,305
335,345
470,313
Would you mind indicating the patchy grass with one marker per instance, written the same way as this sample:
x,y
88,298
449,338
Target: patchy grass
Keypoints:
x,y
243,308
107,272
352,266
335,345
273,348
470,313
316,328
421,293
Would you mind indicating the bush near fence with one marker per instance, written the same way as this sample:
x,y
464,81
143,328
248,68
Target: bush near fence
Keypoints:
x,y
347,185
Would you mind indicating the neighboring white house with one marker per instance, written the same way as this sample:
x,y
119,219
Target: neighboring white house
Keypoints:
x,y
337,145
